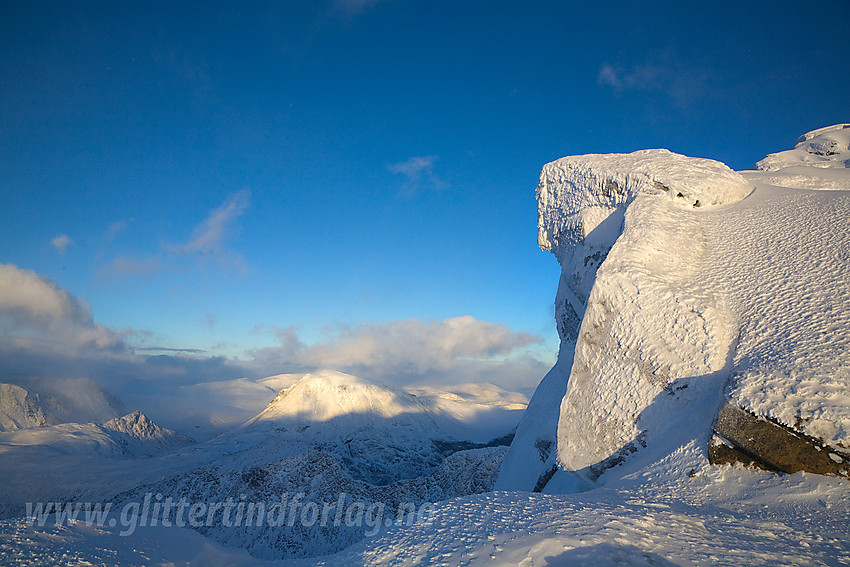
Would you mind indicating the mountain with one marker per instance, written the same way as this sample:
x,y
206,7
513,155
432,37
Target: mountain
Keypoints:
x,y
19,408
49,401
130,436
334,440
139,436
378,434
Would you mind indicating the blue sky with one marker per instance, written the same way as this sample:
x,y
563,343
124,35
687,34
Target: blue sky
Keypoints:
x,y
280,182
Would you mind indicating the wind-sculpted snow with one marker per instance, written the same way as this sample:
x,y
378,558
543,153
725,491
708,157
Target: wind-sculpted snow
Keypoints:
x,y
719,517
581,201
784,257
571,188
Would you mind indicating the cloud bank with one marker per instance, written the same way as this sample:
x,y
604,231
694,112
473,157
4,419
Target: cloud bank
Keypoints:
x,y
48,333
413,351
35,311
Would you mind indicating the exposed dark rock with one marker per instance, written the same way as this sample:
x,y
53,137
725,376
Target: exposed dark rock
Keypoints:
x,y
545,478
741,436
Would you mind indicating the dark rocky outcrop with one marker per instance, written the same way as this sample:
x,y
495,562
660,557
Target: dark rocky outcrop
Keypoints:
x,y
740,436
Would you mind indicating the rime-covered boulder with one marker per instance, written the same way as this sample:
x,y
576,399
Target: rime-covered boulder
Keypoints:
x,y
625,229
687,287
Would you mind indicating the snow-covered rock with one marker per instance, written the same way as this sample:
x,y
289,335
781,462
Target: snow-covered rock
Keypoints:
x,y
824,147
659,304
531,458
650,331
648,203
817,162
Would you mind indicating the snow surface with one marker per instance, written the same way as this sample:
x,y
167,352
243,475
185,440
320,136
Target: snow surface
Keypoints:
x,y
662,516
783,257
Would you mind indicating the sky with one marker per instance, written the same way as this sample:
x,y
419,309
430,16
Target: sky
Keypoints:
x,y
202,191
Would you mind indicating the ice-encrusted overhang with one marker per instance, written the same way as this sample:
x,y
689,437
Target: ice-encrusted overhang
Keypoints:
x,y
575,192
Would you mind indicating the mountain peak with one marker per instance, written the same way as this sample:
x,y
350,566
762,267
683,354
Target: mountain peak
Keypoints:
x,y
326,395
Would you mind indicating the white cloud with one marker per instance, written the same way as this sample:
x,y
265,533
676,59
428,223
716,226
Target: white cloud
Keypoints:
x,y
640,77
34,310
207,237
61,242
207,243
455,350
684,85
419,174
414,166
126,266
114,228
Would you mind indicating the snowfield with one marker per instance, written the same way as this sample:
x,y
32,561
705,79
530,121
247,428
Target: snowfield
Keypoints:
x,y
685,287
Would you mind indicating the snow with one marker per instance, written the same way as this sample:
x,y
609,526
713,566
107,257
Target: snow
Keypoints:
x,y
783,257
720,516
723,515
328,395
575,194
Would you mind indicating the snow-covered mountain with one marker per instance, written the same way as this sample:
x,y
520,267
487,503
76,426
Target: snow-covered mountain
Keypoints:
x,y
19,408
131,436
324,434
379,434
331,434
49,401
